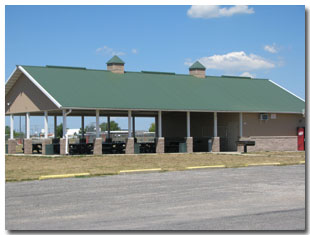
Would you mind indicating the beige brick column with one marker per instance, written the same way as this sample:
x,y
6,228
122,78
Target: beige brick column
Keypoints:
x,y
160,145
12,146
62,144
44,143
215,144
189,144
97,146
27,146
130,145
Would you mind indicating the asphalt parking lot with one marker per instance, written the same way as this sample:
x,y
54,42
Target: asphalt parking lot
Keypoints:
x,y
250,198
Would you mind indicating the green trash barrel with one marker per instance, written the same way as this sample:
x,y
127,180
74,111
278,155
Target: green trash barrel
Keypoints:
x,y
6,148
49,149
136,148
182,148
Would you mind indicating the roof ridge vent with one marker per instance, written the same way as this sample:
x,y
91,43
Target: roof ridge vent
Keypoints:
x,y
154,72
229,76
64,67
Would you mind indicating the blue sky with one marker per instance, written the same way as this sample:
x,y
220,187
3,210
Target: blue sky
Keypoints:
x,y
259,41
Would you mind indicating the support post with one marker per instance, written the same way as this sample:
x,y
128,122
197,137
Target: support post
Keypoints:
x,y
28,141
28,125
82,126
240,125
160,141
188,124
45,124
156,126
11,142
159,124
63,140
64,124
25,136
109,128
97,123
215,139
130,144
189,139
215,125
97,150
55,126
11,126
129,124
134,127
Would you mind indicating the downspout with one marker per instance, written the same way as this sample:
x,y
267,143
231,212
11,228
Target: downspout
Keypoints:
x,y
67,140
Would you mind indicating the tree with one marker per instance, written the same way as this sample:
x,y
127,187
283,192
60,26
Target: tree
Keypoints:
x,y
152,127
113,126
16,134
59,132
90,128
7,130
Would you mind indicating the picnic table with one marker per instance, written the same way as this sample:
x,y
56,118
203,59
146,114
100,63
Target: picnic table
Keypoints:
x,y
245,144
80,148
172,144
37,147
147,147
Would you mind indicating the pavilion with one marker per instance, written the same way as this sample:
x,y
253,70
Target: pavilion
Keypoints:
x,y
193,109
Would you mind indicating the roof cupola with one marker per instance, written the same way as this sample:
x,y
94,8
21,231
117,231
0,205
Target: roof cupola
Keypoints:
x,y
197,70
115,65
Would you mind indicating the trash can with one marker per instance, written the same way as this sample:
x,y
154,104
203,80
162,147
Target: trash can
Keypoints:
x,y
136,148
49,149
6,148
182,148
209,145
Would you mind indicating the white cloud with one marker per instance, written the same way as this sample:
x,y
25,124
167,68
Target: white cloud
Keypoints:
x,y
105,50
188,62
271,48
236,61
134,51
247,74
207,11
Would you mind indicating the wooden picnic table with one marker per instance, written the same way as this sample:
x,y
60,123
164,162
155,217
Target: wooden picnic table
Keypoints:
x,y
37,147
81,148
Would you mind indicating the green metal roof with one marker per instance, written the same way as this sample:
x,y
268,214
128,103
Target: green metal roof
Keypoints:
x,y
115,60
86,88
197,65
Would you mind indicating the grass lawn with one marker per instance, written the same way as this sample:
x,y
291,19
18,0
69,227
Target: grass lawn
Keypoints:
x,y
18,168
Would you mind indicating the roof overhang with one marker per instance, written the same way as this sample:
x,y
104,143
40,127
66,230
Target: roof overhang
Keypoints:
x,y
12,79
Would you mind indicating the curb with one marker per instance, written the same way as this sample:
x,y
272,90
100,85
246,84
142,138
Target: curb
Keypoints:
x,y
139,170
202,167
265,164
44,177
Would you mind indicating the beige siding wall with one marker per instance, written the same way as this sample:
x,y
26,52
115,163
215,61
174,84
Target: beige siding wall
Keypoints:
x,y
26,97
271,143
283,125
